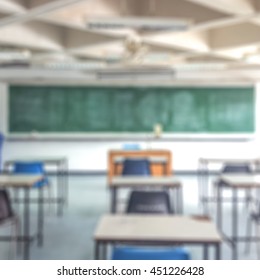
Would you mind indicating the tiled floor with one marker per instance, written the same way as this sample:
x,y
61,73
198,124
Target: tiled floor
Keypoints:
x,y
71,236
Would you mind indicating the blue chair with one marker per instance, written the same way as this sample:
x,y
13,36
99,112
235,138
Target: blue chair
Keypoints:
x,y
32,168
1,149
136,167
36,168
149,202
141,253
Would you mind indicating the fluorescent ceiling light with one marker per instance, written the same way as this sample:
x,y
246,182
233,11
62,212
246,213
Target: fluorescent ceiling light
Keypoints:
x,y
122,73
138,23
75,65
6,55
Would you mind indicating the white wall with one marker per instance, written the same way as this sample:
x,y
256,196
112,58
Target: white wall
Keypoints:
x,y
87,155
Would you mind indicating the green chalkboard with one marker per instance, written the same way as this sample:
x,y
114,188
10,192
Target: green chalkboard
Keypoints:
x,y
131,109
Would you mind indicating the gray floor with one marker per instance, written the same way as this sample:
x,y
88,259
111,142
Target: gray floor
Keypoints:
x,y
71,236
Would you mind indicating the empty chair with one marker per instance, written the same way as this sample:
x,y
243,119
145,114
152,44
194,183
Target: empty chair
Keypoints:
x,y
149,202
32,168
143,253
237,168
136,167
8,218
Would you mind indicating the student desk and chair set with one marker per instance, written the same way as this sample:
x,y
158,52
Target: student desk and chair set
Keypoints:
x,y
27,174
142,229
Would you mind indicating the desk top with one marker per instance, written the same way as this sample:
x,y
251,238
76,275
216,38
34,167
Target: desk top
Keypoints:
x,y
46,160
153,159
157,228
230,160
19,181
153,151
241,180
127,181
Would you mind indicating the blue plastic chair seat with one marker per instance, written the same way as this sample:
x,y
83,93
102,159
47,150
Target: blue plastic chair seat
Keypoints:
x,y
144,253
35,168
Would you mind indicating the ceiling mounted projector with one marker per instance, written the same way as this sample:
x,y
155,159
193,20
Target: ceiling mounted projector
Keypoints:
x,y
138,23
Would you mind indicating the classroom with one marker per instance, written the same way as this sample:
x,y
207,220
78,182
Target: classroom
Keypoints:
x,y
129,129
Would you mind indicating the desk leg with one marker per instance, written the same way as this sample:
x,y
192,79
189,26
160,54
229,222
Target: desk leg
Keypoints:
x,y
234,223
66,182
180,198
59,190
104,251
217,249
165,169
96,254
203,186
113,207
200,181
97,250
206,252
219,207
205,198
26,224
40,217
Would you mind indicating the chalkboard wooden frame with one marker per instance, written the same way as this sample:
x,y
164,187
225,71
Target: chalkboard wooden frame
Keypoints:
x,y
134,135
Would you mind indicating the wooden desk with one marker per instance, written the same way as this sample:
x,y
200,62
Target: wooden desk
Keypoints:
x,y
165,182
61,165
161,230
159,167
26,182
234,183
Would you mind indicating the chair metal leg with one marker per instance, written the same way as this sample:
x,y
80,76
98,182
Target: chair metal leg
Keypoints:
x,y
249,234
18,234
50,196
258,243
12,246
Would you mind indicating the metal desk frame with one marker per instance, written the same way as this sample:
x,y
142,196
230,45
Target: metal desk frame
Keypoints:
x,y
61,164
203,176
234,186
26,237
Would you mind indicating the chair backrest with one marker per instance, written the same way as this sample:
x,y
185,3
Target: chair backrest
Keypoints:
x,y
28,168
141,253
234,168
5,206
149,202
136,167
237,168
36,168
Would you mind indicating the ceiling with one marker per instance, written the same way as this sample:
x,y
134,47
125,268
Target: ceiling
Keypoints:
x,y
221,35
